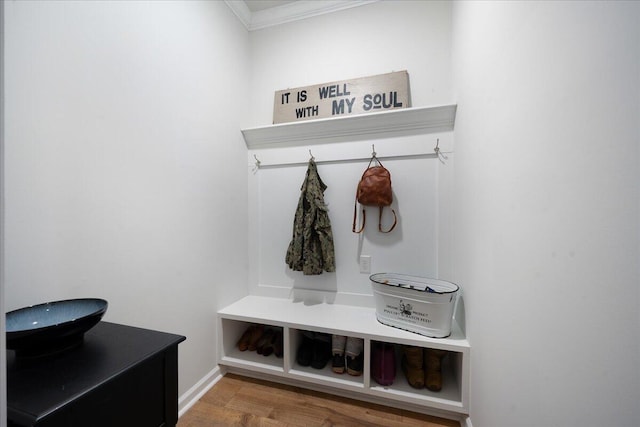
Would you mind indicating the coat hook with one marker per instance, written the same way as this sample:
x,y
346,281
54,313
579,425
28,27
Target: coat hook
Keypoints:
x,y
373,150
311,155
437,148
257,161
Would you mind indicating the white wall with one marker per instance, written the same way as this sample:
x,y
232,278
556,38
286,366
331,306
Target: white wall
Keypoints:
x,y
547,209
3,353
373,39
125,168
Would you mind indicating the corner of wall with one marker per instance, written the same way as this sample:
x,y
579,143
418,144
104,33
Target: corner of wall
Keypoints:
x,y
3,362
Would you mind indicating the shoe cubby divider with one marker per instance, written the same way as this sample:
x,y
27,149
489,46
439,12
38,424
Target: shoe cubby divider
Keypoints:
x,y
358,322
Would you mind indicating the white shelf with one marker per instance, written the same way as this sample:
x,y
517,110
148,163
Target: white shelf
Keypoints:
x,y
359,322
407,121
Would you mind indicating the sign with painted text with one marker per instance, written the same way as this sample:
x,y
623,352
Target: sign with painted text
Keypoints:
x,y
344,98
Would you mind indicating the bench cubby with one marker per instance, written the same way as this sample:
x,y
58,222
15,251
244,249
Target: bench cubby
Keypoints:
x,y
360,322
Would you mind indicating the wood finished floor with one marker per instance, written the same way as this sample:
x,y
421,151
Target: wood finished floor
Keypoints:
x,y
240,401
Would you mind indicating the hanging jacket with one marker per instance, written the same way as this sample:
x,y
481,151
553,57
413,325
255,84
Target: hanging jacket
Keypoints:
x,y
311,248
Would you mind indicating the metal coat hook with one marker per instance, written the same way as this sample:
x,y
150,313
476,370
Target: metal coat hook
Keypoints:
x,y
373,150
439,154
257,164
312,158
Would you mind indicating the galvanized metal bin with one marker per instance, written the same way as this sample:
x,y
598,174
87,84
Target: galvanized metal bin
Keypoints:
x,y
416,304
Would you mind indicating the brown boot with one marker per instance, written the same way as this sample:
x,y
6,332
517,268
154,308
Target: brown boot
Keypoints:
x,y
433,368
249,338
412,362
256,334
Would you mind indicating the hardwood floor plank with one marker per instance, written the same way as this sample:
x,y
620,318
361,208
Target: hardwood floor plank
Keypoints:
x,y
241,401
205,415
299,415
225,391
250,404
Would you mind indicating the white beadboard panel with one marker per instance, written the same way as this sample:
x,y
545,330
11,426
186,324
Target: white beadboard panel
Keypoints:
x,y
411,248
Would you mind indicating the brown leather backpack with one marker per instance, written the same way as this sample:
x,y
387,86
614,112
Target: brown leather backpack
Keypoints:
x,y
374,189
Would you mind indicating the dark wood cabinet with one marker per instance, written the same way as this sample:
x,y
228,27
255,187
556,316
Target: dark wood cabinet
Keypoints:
x,y
121,376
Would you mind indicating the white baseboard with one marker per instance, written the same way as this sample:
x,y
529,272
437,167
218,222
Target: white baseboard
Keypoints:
x,y
188,399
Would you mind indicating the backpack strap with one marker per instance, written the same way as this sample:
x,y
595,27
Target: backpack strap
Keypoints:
x,y
355,214
395,221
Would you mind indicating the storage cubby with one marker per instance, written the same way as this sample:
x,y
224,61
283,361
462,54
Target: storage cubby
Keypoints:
x,y
233,330
401,389
360,322
342,303
326,374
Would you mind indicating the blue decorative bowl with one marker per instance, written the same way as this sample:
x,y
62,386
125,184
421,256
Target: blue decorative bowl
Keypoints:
x,y
53,326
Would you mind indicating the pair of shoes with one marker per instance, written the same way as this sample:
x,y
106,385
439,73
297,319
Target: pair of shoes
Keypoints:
x,y
423,367
353,349
315,350
383,363
354,364
250,338
271,343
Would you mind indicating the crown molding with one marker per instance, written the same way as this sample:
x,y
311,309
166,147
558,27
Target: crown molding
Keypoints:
x,y
289,12
240,9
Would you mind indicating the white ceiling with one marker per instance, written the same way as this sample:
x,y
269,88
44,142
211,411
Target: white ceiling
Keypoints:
x,y
258,14
257,5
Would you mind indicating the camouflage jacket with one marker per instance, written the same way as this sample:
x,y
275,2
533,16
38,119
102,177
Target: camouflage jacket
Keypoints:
x,y
311,248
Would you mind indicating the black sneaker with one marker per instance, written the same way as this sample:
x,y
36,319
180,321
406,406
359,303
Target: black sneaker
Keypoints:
x,y
355,364
305,351
337,365
321,351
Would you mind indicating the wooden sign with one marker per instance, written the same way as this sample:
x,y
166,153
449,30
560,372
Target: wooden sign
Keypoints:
x,y
349,97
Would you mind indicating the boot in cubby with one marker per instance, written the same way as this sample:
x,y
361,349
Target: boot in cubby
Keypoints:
x,y
433,368
250,338
383,363
271,343
355,356
278,348
412,366
304,356
321,350
263,346
338,343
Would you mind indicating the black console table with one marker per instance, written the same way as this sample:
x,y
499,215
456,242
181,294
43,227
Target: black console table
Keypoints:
x,y
120,376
